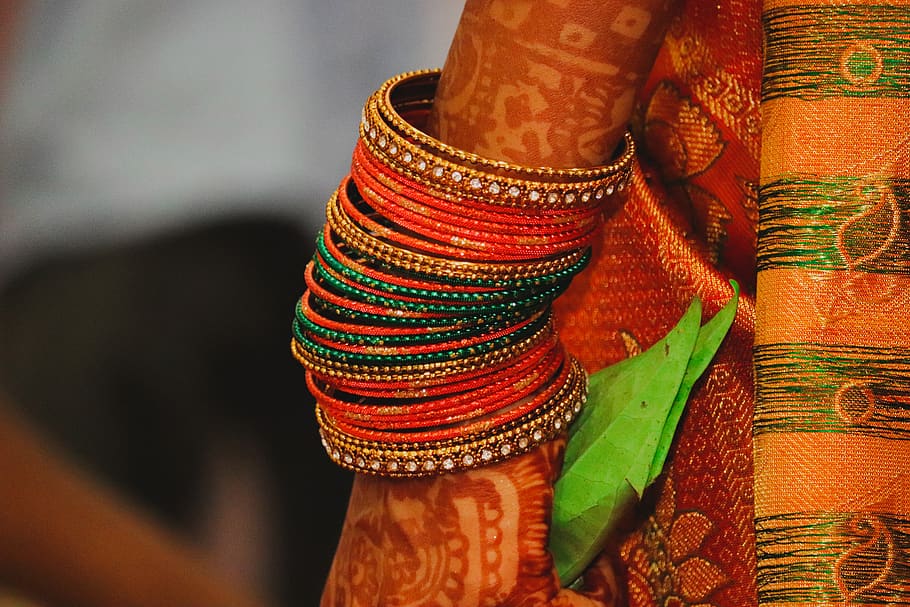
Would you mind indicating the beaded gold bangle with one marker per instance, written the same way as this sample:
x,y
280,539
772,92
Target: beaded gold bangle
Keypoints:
x,y
419,263
408,151
421,372
407,459
445,178
416,89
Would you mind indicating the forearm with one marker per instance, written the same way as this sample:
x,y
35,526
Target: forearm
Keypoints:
x,y
533,84
546,83
65,540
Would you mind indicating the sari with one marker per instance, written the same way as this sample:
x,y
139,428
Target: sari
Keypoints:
x,y
789,480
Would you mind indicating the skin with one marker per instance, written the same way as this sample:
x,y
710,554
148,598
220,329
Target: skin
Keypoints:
x,y
65,540
544,83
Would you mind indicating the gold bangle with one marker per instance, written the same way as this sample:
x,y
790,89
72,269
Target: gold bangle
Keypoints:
x,y
443,176
349,232
418,88
424,372
408,459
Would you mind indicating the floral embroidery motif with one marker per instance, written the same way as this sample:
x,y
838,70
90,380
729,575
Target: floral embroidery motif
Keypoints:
x,y
661,556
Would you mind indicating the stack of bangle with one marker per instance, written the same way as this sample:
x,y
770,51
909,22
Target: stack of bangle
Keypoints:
x,y
426,329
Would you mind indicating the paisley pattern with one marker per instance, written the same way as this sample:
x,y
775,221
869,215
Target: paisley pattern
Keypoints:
x,y
847,50
845,558
842,223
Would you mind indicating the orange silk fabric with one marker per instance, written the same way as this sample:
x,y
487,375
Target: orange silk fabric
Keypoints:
x,y
823,515
688,225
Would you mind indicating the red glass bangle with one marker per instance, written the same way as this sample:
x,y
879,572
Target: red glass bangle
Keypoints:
x,y
451,384
343,254
432,398
438,225
507,411
477,402
465,212
563,384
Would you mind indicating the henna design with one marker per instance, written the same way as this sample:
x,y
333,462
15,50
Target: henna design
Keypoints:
x,y
538,82
472,539
546,83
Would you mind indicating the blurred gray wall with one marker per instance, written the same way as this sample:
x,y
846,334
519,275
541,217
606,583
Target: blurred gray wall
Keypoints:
x,y
127,117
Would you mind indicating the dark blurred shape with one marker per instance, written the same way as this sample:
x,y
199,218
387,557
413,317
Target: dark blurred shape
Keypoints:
x,y
137,357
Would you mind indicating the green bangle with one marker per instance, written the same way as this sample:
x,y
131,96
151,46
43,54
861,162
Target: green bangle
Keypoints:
x,y
340,336
368,318
421,358
535,300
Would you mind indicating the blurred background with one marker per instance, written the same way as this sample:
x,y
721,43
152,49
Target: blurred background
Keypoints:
x,y
163,172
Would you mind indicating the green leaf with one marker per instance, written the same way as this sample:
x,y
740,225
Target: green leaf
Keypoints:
x,y
609,454
619,443
710,336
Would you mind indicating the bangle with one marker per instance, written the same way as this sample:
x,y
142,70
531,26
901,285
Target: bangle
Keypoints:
x,y
455,245
429,389
411,261
411,151
460,408
449,222
466,211
426,329
446,178
415,371
417,89
414,459
370,274
532,301
384,355
438,426
521,379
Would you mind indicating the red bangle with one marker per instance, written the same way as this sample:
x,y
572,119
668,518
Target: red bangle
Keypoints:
x,y
439,225
389,277
561,384
509,387
405,387
464,209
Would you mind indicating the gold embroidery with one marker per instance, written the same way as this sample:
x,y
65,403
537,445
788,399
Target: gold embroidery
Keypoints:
x,y
663,565
683,137
728,99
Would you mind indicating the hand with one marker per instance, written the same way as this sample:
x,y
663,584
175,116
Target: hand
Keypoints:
x,y
477,538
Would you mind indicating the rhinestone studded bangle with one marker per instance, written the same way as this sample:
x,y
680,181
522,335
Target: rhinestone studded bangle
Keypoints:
x,y
447,178
416,89
415,459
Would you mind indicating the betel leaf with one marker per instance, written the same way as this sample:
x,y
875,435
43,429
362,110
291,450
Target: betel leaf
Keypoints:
x,y
603,472
620,441
710,336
